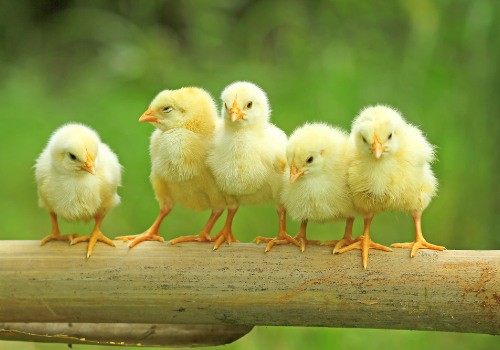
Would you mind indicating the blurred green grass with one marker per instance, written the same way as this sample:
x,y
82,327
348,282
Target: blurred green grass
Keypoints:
x,y
100,63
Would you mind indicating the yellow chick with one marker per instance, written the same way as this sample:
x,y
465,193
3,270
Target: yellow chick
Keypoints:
x,y
185,121
77,177
390,171
316,188
248,158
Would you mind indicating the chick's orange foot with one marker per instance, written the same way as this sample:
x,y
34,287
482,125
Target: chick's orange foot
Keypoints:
x,y
339,244
136,239
225,235
93,238
281,239
201,237
204,235
364,244
57,237
416,245
303,241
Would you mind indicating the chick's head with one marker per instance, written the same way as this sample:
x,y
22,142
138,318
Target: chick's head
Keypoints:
x,y
312,148
74,149
245,103
189,108
376,131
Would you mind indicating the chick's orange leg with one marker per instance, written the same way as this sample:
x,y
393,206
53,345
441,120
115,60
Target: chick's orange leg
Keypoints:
x,y
301,237
420,242
95,235
151,234
346,240
364,243
282,238
56,234
204,235
226,234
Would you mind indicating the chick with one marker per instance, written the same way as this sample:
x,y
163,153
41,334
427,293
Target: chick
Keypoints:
x,y
390,171
185,121
316,188
77,177
248,159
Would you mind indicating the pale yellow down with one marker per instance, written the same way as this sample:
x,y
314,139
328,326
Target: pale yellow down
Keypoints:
x,y
248,158
187,119
402,179
321,194
67,190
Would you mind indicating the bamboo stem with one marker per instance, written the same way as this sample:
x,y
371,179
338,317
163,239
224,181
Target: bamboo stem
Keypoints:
x,y
157,283
172,335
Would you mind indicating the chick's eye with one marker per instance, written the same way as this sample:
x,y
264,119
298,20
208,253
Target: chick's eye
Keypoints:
x,y
249,105
72,156
364,140
390,136
310,160
167,109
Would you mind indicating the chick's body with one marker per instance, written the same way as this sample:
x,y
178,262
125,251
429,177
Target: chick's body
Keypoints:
x,y
247,164
390,171
77,177
248,157
316,186
185,119
178,163
402,182
321,194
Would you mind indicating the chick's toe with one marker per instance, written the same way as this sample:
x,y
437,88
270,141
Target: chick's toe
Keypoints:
x,y
418,244
57,237
204,235
93,238
364,244
282,239
201,237
301,237
225,235
339,244
136,239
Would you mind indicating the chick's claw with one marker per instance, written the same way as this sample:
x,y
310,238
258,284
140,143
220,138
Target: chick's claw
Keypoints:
x,y
93,238
416,245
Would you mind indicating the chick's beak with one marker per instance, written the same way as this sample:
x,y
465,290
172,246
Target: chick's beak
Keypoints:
x,y
377,148
88,166
147,117
295,173
235,112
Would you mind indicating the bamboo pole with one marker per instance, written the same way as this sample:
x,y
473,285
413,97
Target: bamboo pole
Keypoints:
x,y
171,335
189,283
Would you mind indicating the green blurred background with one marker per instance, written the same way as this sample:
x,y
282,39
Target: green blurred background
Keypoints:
x,y
101,62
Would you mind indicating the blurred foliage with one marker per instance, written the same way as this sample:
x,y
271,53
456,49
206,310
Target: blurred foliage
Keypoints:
x,y
101,62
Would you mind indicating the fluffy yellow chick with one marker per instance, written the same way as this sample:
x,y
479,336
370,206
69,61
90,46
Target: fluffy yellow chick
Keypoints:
x,y
316,188
248,158
390,171
185,121
77,177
